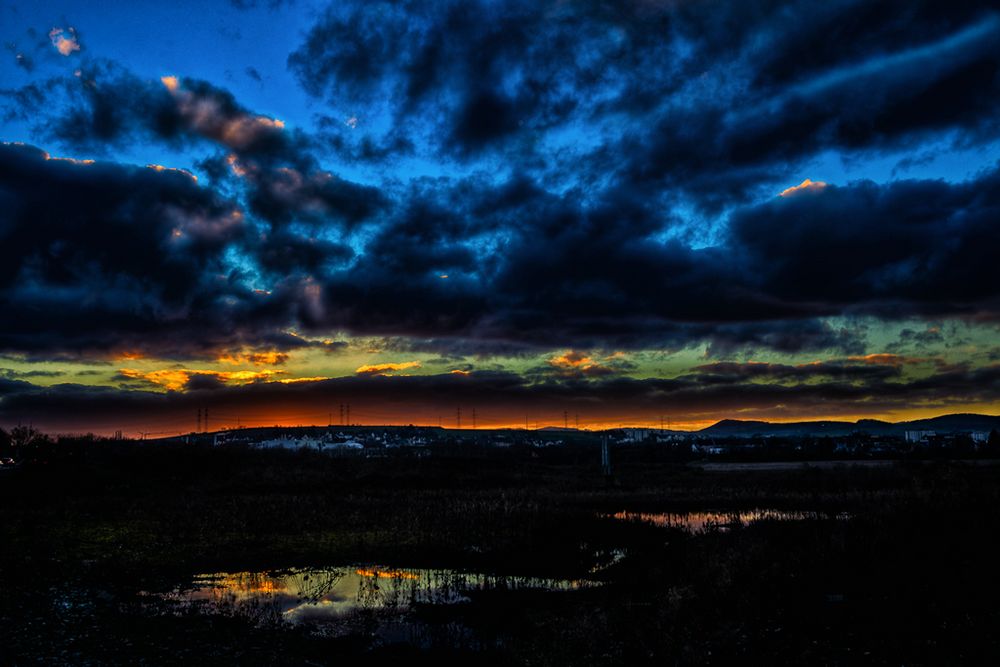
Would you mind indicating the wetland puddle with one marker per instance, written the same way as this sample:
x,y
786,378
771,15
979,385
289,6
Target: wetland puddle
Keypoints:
x,y
339,594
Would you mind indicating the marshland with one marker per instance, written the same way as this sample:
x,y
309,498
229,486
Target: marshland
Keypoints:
x,y
140,553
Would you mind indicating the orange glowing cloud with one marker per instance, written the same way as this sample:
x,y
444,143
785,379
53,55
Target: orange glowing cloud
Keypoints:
x,y
574,362
172,83
65,41
161,168
207,116
235,165
886,359
205,226
47,156
571,359
241,132
384,368
176,379
806,186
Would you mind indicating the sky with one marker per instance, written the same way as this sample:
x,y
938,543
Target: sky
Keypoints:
x,y
630,213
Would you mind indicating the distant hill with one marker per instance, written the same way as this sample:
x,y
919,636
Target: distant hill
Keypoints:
x,y
959,422
943,424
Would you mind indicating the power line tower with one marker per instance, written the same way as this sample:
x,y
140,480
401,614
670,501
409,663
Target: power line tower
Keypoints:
x,y
348,414
458,418
206,420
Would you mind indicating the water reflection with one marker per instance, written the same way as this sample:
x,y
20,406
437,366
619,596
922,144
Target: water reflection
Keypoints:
x,y
700,522
336,593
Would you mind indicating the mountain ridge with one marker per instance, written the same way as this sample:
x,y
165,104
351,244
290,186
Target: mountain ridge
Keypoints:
x,y
950,423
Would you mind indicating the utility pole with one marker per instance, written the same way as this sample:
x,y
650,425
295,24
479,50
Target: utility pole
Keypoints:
x,y
198,430
206,420
458,418
605,458
565,420
348,414
577,421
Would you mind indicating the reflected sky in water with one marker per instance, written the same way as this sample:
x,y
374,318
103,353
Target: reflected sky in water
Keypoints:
x,y
318,594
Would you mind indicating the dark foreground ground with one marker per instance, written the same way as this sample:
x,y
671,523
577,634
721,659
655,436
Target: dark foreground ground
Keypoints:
x,y
912,578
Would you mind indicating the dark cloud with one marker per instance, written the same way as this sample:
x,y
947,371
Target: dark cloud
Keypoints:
x,y
22,103
599,127
713,100
844,370
905,248
567,274
273,168
204,382
13,374
488,71
600,276
283,195
10,386
108,106
103,257
98,107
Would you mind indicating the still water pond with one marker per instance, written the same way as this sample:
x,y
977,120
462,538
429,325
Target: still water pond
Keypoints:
x,y
336,593
700,522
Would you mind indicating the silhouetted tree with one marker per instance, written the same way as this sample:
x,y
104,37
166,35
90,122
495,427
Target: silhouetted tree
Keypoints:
x,y
22,437
26,442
